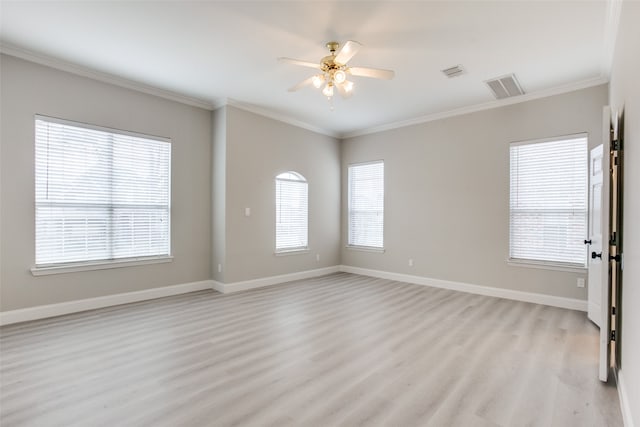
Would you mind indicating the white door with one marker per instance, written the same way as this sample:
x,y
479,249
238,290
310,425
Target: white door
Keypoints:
x,y
598,288
597,233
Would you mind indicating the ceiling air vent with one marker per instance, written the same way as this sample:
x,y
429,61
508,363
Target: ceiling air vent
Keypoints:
x,y
454,71
505,87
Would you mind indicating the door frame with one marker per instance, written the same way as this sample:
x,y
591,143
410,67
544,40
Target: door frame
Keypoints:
x,y
616,236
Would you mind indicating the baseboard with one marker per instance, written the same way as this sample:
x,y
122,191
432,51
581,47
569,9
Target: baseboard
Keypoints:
x,y
625,406
217,286
52,310
44,311
570,303
226,288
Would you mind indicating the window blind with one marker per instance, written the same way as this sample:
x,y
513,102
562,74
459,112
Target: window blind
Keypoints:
x,y
100,194
366,205
548,201
291,212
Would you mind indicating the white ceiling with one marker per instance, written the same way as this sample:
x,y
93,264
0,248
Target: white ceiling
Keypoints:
x,y
214,51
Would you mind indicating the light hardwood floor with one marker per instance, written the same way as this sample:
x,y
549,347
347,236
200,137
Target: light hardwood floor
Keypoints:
x,y
337,350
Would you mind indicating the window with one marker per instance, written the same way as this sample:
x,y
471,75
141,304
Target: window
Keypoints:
x,y
366,205
291,212
548,208
101,194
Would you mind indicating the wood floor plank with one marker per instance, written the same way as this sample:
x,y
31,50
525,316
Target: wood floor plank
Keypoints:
x,y
338,350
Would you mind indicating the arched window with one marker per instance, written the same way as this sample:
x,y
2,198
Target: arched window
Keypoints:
x,y
291,212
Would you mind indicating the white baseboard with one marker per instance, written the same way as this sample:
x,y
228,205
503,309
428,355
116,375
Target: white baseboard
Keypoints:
x,y
217,286
226,288
51,310
44,311
570,303
625,406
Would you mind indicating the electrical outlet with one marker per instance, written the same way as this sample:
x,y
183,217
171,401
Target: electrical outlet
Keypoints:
x,y
318,257
410,262
580,282
247,211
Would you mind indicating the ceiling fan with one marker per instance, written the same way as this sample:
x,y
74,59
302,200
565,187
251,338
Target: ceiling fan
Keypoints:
x,y
334,70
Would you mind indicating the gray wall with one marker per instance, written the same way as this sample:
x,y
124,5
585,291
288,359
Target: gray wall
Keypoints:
x,y
29,89
446,189
258,149
625,96
447,192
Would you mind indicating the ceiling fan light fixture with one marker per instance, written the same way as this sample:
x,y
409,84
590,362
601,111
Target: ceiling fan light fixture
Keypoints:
x,y
328,90
348,86
334,70
339,76
318,80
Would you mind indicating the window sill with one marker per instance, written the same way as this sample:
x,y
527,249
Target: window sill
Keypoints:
x,y
292,252
546,266
365,249
97,265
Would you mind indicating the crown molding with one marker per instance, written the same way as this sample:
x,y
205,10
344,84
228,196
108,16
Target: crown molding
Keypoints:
x,y
83,71
480,107
46,60
70,67
265,112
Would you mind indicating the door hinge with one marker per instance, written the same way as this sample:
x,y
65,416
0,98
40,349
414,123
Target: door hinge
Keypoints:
x,y
613,311
613,335
613,241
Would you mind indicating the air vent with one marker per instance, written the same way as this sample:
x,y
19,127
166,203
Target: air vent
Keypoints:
x,y
453,71
505,87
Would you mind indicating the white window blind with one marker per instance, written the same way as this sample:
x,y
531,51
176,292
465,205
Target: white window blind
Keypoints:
x,y
100,194
548,208
291,212
366,205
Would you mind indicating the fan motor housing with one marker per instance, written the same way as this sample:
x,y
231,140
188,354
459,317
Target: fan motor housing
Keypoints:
x,y
328,63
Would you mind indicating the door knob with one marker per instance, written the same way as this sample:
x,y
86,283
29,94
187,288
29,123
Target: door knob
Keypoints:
x,y
595,255
587,242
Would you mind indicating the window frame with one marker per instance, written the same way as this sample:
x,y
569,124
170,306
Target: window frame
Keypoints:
x,y
290,250
106,263
365,248
545,264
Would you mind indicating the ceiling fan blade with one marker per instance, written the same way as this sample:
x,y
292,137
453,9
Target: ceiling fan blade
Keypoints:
x,y
305,82
374,73
342,90
347,52
299,62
